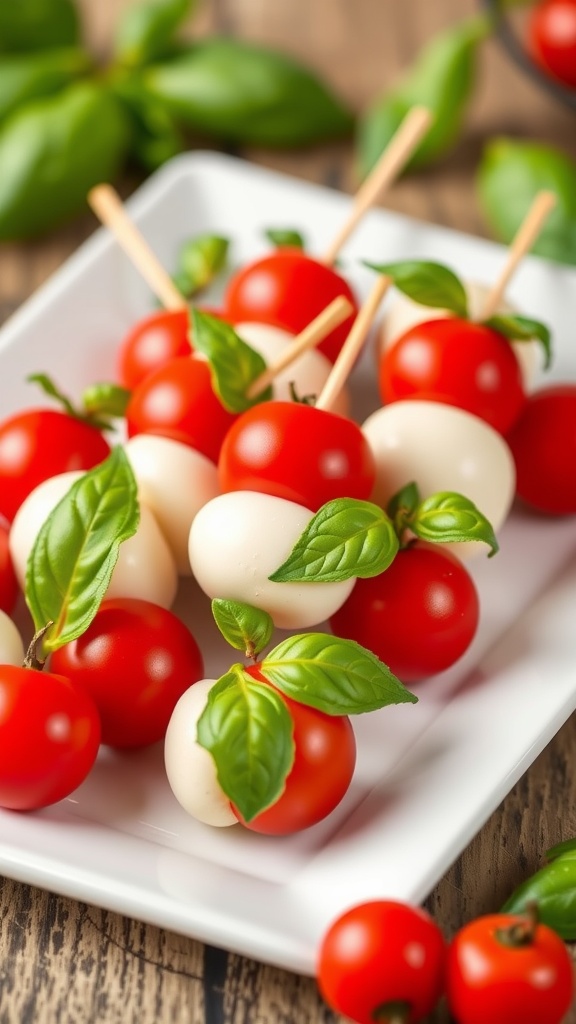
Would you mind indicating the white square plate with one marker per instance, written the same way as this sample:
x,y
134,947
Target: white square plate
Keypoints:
x,y
428,775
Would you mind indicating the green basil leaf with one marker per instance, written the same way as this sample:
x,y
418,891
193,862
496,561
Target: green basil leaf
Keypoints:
x,y
200,260
243,93
105,399
155,135
441,79
431,284
567,848
285,237
446,517
25,77
522,328
336,676
554,890
145,29
246,628
75,552
405,502
53,151
346,538
511,174
27,25
234,365
248,730
53,391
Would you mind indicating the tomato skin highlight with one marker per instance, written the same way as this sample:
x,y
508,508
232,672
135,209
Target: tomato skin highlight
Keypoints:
x,y
136,660
552,38
49,737
543,443
288,288
297,452
9,588
418,617
457,362
152,342
382,952
487,980
40,443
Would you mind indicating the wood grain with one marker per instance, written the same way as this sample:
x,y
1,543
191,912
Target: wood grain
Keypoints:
x,y
62,962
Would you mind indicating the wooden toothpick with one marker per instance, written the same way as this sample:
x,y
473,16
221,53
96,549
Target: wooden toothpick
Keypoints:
x,y
108,207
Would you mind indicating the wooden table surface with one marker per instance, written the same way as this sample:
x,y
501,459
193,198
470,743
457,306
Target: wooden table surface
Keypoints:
x,y
62,961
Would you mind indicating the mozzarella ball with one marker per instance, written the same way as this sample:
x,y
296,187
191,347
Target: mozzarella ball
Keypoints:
x,y
441,448
239,539
11,646
190,768
404,313
308,373
174,481
145,567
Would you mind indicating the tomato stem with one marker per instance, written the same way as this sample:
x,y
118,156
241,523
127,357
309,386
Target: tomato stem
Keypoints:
x,y
523,931
32,658
396,1011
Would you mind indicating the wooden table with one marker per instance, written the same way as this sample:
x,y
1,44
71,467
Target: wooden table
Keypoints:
x,y
62,962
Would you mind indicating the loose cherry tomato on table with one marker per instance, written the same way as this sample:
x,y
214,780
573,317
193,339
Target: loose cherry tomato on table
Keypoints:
x,y
136,659
297,452
502,968
41,443
8,581
543,443
288,289
382,961
552,38
457,362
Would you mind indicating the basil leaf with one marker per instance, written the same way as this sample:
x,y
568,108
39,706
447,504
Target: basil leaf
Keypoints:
x,y
199,261
522,328
346,538
243,93
567,848
233,364
75,552
53,391
105,399
431,284
27,25
441,79
404,502
511,174
25,77
248,730
145,29
336,676
446,517
244,627
155,136
285,237
554,890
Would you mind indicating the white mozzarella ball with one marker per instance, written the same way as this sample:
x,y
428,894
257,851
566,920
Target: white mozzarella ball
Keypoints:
x,y
11,646
174,481
308,373
239,539
404,313
145,567
190,768
441,448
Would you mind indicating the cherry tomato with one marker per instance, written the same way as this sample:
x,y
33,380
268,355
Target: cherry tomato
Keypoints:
x,y
552,38
418,617
49,737
320,776
489,977
177,401
8,581
136,659
459,363
382,961
40,443
153,341
543,443
288,289
297,452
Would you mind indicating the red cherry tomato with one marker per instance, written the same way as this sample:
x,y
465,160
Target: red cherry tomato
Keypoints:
x,y
288,289
40,443
153,341
320,776
177,401
8,582
49,737
543,443
136,660
381,956
552,38
488,979
459,363
297,452
418,617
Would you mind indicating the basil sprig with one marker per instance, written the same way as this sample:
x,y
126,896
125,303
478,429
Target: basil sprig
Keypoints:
x,y
200,260
282,237
522,328
443,518
553,888
99,401
234,365
243,626
431,284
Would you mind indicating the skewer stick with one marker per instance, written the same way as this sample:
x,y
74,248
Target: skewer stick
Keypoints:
x,y
393,159
351,348
335,313
108,207
522,242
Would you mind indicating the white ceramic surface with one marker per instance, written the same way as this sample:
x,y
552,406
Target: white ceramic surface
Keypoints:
x,y
429,774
